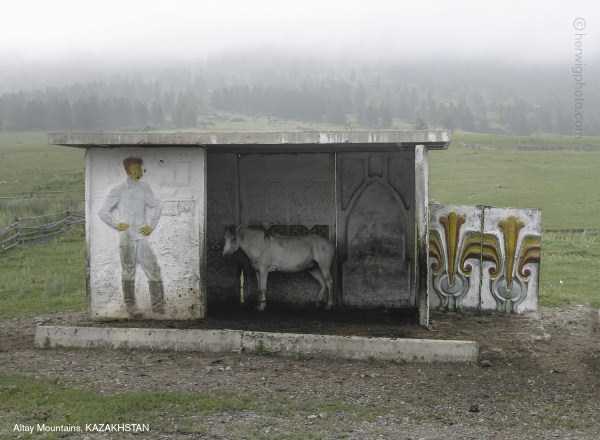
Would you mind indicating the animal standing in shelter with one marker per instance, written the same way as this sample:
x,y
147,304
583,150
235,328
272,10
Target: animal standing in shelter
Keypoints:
x,y
269,253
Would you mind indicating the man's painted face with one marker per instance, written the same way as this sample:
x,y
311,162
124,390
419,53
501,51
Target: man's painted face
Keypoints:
x,y
135,171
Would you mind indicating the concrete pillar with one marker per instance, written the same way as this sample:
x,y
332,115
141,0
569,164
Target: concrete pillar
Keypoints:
x,y
422,233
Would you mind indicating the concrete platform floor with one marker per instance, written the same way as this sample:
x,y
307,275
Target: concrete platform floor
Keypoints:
x,y
294,344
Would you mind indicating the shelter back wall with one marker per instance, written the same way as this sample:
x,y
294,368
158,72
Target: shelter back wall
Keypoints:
x,y
366,198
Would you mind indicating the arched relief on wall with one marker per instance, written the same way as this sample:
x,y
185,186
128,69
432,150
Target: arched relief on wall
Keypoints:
x,y
380,167
370,170
358,196
374,229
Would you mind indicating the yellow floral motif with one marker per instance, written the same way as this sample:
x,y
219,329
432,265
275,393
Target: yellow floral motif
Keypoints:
x,y
452,223
481,246
436,251
510,227
530,253
146,230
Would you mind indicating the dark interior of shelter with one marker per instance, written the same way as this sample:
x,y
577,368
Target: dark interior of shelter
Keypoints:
x,y
361,201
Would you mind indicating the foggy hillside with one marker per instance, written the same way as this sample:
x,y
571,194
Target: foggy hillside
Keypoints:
x,y
499,66
473,96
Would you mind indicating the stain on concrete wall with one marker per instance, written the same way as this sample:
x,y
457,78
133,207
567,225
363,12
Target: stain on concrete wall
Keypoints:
x,y
484,258
145,231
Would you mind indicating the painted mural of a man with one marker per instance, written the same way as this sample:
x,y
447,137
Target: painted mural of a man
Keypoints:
x,y
132,209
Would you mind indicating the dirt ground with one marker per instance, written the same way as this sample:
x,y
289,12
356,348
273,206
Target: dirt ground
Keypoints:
x,y
538,378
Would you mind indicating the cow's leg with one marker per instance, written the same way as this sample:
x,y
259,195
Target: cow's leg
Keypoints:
x,y
317,275
324,267
263,276
325,260
329,282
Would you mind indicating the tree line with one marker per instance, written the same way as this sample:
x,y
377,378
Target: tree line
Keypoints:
x,y
367,96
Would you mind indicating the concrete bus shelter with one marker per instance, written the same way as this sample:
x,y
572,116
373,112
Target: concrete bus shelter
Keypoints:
x,y
365,190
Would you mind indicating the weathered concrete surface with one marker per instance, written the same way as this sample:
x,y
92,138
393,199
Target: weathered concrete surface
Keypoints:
x,y
433,139
144,338
177,179
346,347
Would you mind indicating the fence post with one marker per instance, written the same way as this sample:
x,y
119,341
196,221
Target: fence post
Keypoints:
x,y
17,231
34,232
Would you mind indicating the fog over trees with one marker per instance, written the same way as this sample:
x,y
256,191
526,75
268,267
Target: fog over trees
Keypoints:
x,y
501,66
480,96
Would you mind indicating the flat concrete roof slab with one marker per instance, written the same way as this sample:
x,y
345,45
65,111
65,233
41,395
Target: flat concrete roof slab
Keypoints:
x,y
342,140
330,346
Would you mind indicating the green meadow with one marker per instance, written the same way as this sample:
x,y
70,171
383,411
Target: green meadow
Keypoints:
x,y
36,179
33,400
553,173
561,182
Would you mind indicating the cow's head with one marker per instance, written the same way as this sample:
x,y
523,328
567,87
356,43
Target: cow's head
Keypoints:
x,y
232,243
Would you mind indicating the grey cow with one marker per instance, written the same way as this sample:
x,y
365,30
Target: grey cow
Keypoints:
x,y
270,253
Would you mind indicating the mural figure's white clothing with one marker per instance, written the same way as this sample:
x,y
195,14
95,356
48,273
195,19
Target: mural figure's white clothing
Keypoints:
x,y
133,203
134,252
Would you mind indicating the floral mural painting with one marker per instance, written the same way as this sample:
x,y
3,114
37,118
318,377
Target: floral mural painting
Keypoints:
x,y
485,258
450,284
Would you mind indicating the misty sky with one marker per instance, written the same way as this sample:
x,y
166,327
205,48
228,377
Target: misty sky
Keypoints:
x,y
535,30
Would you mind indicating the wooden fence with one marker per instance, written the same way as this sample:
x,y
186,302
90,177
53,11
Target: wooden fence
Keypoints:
x,y
36,229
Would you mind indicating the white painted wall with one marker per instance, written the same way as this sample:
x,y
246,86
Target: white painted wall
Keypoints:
x,y
177,176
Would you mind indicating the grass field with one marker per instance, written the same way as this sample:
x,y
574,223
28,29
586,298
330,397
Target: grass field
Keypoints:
x,y
43,278
561,182
32,401
37,400
36,179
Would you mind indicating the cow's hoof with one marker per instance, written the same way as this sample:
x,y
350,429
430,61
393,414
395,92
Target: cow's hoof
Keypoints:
x,y
261,306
